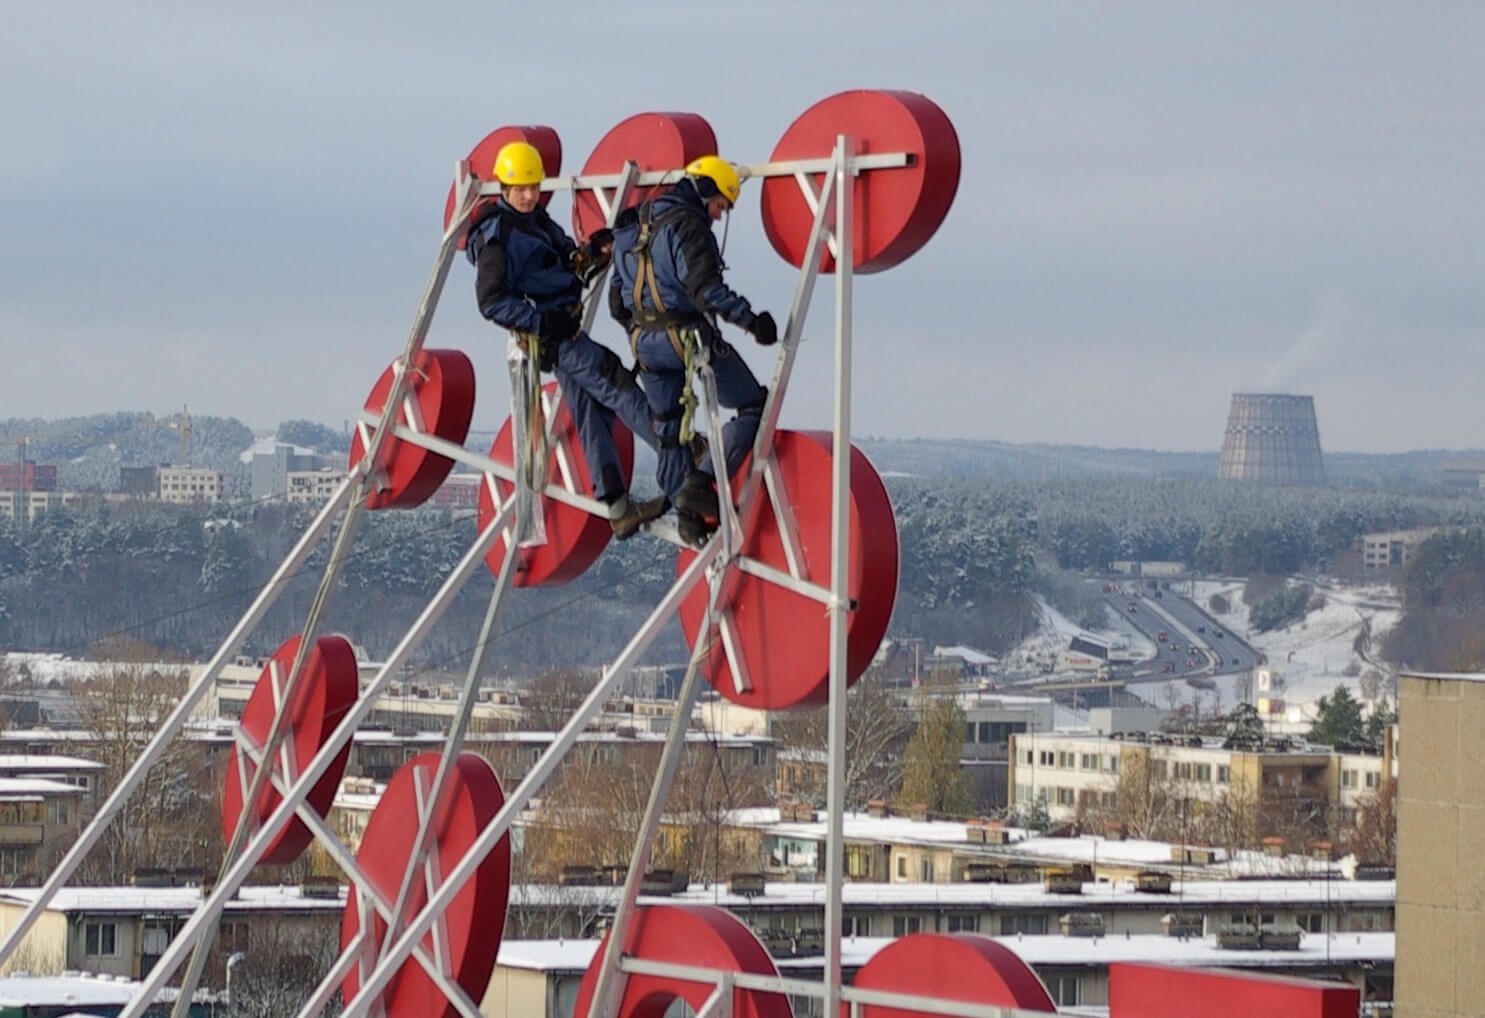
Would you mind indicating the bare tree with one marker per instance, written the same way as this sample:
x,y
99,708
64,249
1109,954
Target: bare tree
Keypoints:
x,y
553,697
877,730
1375,838
172,820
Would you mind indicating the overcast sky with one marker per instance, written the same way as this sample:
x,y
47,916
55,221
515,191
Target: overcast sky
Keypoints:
x,y
1161,204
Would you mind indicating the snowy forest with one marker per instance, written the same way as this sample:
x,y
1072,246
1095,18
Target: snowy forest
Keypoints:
x,y
973,554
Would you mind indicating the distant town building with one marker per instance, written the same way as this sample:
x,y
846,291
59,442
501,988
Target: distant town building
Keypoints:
x,y
271,463
29,506
458,491
140,482
312,487
1393,549
28,477
186,485
1464,475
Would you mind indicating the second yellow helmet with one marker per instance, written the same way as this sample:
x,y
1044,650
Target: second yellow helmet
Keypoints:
x,y
720,172
519,163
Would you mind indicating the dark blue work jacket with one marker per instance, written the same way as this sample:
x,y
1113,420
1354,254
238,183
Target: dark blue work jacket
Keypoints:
x,y
523,266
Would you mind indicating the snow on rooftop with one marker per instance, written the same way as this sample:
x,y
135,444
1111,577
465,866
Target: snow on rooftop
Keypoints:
x,y
169,899
1314,950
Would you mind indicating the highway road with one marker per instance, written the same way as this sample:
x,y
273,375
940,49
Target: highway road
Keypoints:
x,y
1197,644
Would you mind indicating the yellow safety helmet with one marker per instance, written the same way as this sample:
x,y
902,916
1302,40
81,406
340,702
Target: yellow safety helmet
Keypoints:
x,y
519,163
721,173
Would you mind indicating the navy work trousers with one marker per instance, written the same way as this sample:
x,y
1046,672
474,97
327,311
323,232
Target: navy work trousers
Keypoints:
x,y
597,387
663,375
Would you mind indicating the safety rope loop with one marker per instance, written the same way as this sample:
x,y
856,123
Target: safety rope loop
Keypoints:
x,y
693,356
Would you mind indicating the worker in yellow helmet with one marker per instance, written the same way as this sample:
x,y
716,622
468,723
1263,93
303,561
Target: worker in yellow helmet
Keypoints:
x,y
667,288
529,279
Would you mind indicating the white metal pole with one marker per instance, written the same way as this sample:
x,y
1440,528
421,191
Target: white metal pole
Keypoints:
x,y
314,770
538,775
840,547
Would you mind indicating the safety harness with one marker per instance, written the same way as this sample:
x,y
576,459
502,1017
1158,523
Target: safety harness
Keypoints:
x,y
681,329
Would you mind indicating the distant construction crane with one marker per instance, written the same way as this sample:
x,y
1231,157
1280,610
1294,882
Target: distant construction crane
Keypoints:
x,y
182,426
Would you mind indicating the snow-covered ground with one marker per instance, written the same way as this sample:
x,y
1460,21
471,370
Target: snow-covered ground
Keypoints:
x,y
1305,661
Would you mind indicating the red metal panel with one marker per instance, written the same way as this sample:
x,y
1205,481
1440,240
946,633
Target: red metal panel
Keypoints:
x,y
326,690
469,932
442,385
1164,991
575,538
950,966
653,141
784,636
897,210
702,935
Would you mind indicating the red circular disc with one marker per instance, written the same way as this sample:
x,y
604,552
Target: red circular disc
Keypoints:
x,y
897,209
482,160
783,636
655,141
471,926
964,967
441,390
575,538
327,688
701,935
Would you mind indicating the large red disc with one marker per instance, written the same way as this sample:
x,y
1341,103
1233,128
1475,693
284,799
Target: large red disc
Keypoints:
x,y
575,538
326,690
701,935
655,141
482,160
470,929
897,209
963,967
440,400
782,637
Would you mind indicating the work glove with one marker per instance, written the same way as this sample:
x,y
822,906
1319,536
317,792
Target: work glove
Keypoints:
x,y
765,330
601,244
558,325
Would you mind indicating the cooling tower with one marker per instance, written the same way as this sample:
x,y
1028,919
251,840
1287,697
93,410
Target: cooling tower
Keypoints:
x,y
1272,439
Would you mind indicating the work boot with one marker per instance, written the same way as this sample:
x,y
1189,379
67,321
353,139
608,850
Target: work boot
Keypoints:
x,y
626,516
697,496
693,530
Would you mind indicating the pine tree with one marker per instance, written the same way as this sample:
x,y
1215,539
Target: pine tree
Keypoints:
x,y
1339,720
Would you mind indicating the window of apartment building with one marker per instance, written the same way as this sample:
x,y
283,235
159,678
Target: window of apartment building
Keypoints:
x,y
1023,794
56,811
1026,757
13,860
1348,779
1157,768
1066,797
1183,770
1088,761
925,871
1203,772
760,756
1108,800
1110,763
1224,774
902,867
1373,779
100,940
855,925
1047,758
1066,760
962,924
902,925
1020,922
1064,989
1311,922
858,861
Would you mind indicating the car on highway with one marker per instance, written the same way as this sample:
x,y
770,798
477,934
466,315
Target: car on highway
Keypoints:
x,y
1133,606
1217,633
